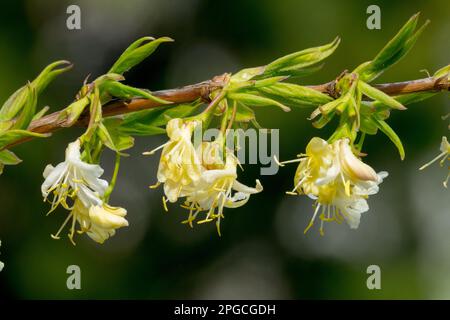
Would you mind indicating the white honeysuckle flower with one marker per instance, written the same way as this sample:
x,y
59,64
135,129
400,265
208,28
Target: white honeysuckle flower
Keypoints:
x,y
80,182
443,156
73,178
99,222
217,187
179,164
339,181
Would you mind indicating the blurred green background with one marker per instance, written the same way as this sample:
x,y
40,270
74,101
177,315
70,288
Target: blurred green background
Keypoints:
x,y
262,252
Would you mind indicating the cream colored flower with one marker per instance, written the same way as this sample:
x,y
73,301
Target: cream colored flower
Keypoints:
x,y
99,222
72,179
339,182
443,156
80,182
179,164
217,187
206,179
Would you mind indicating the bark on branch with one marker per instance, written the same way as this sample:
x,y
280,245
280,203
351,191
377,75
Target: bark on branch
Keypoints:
x,y
202,90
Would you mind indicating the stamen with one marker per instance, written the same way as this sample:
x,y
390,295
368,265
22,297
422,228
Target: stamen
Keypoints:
x,y
156,185
148,153
282,163
433,161
164,200
311,222
446,180
56,236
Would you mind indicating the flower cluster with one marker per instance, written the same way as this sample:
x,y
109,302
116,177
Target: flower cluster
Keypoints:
x,y
76,186
206,175
340,183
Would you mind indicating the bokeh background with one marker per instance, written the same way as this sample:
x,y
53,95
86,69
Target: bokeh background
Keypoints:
x,y
262,252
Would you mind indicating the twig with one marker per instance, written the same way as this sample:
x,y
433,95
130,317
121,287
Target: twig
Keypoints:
x,y
202,90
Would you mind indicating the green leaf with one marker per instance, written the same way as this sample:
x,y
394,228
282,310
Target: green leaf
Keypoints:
x,y
294,95
256,101
405,99
323,120
244,113
17,100
444,71
136,52
14,135
160,116
95,114
142,129
387,130
9,158
367,125
394,50
28,110
253,84
49,74
111,135
41,113
294,63
247,74
74,110
122,91
380,96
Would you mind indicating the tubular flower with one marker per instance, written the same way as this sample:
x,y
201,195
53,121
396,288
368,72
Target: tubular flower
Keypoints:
x,y
338,181
217,187
443,156
99,222
179,164
72,179
80,182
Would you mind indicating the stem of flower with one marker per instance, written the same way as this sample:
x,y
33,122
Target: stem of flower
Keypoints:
x,y
112,184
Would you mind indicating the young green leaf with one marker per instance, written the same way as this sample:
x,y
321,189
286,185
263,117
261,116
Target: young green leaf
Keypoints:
x,y
122,91
244,113
387,130
294,63
28,110
256,100
74,110
41,113
136,52
111,135
380,96
294,95
9,158
394,50
12,136
17,100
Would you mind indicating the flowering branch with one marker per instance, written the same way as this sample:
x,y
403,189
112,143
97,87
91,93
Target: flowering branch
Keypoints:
x,y
202,90
204,173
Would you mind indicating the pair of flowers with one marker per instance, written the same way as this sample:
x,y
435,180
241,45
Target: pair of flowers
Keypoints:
x,y
337,180
76,185
204,175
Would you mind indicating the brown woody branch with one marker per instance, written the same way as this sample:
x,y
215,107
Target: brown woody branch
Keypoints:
x,y
202,90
